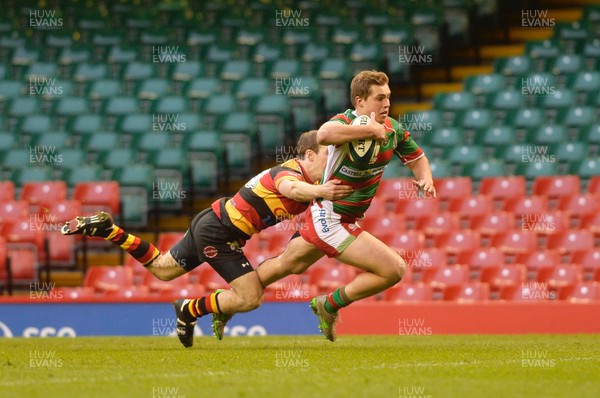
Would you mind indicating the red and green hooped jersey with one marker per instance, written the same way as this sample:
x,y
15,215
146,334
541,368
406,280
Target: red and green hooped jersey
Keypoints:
x,y
363,177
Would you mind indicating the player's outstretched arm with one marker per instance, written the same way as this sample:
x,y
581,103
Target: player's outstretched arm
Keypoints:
x,y
423,177
301,191
335,133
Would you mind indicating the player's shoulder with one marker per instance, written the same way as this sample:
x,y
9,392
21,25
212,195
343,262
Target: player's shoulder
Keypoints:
x,y
345,117
291,166
394,124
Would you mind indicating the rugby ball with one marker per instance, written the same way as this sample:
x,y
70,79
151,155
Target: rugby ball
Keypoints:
x,y
363,150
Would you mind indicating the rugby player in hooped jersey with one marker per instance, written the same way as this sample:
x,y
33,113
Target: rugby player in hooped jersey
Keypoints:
x,y
331,225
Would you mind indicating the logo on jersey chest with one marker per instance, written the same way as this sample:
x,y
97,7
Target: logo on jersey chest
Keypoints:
x,y
352,172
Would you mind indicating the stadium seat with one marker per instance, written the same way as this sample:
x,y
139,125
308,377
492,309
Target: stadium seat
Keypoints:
x,y
580,205
24,266
591,222
289,288
561,276
98,194
571,241
453,188
526,206
485,168
328,278
588,167
409,292
403,241
438,224
156,285
419,260
468,292
455,242
210,279
503,275
394,189
538,259
383,224
108,278
583,292
556,187
530,292
105,88
14,211
469,207
547,134
445,137
7,191
570,152
492,223
483,84
443,278
36,193
515,241
481,258
414,209
503,188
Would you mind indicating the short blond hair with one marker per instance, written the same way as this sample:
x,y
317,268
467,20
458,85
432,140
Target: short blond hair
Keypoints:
x,y
362,82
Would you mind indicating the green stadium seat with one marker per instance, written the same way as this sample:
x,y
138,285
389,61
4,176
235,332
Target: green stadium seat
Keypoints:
x,y
153,88
53,139
205,169
542,49
238,123
71,106
514,153
236,70
239,154
40,70
569,34
315,52
24,106
74,55
532,170
220,53
457,101
201,37
151,142
477,119
102,141
485,84
189,121
31,174
187,71
446,137
17,158
121,105
89,72
586,168
559,99
592,134
172,104
526,118
253,87
284,69
570,152
135,175
123,54
117,158
134,206
105,88
513,67
85,124
587,82
578,116
333,69
136,123
567,64
335,94
82,173
154,37
107,38
25,56
8,141
220,104
267,52
37,124
170,158
485,168
465,154
203,87
71,157
11,89
249,37
440,168
548,134
591,52
496,136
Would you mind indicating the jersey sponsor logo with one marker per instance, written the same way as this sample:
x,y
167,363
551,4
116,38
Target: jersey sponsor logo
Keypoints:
x,y
254,181
352,172
322,220
210,251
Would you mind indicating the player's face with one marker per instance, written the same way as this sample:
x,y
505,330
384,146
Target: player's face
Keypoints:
x,y
378,101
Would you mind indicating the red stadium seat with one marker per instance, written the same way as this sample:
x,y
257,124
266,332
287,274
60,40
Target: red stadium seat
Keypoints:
x,y
503,189
107,278
589,260
25,233
74,293
556,187
383,224
130,292
24,265
98,195
156,285
481,258
438,224
545,224
189,291
290,288
582,292
450,189
504,275
409,292
456,242
14,211
580,205
561,276
468,292
414,209
515,241
469,207
211,280
52,216
444,277
403,241
36,193
492,223
591,222
7,191
329,278
527,206
3,261
167,240
529,292
422,259
593,185
535,260
394,189
572,241
60,211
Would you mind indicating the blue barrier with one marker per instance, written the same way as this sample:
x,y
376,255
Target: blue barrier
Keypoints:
x,y
144,319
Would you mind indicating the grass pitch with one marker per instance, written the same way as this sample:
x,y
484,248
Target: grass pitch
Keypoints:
x,y
301,366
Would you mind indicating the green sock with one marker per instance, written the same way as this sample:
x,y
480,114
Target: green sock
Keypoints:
x,y
337,300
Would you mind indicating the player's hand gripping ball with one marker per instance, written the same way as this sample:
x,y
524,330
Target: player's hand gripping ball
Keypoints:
x,y
363,150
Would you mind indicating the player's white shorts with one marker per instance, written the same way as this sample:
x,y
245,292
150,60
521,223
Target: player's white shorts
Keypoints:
x,y
326,230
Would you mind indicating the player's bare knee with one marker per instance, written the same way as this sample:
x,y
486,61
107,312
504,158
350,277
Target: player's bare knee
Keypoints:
x,y
253,301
